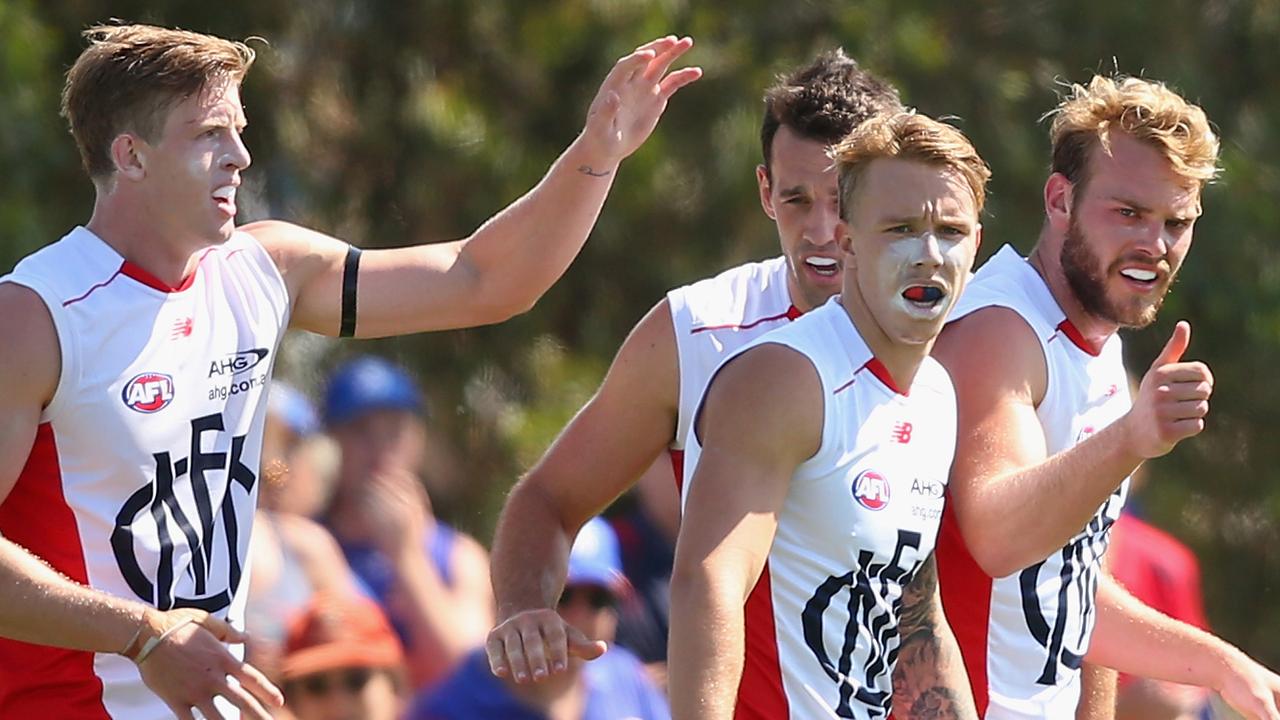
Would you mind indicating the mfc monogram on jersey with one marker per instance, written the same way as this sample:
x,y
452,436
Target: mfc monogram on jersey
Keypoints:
x,y
207,533
144,476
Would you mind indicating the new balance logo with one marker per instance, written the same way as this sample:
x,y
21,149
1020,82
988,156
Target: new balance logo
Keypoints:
x,y
182,328
901,432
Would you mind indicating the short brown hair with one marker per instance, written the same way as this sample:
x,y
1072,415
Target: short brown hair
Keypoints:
x,y
1145,109
130,75
908,136
824,100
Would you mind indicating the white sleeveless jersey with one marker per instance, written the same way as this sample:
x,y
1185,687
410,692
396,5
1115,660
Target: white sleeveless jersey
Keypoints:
x,y
859,518
1023,636
715,317
144,476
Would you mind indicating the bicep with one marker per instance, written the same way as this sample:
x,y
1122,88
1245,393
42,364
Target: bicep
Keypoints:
x,y
998,430
29,370
424,287
747,459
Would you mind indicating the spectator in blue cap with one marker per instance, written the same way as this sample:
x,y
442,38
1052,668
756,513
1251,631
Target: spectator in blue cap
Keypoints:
x,y
614,686
432,581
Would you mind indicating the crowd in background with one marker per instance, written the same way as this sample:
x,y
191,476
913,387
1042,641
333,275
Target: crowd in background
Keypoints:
x,y
364,604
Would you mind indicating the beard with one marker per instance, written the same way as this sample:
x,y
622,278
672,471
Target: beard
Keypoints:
x,y
1088,280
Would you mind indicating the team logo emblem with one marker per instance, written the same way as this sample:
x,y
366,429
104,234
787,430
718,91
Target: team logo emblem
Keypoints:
x,y
148,392
871,490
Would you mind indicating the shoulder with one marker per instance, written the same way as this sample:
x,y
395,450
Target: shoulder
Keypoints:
x,y
31,362
768,396
993,347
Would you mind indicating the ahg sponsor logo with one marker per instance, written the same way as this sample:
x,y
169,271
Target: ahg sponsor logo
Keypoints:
x,y
148,392
237,363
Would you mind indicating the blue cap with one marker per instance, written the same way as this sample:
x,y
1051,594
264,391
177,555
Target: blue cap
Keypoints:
x,y
292,408
369,383
595,558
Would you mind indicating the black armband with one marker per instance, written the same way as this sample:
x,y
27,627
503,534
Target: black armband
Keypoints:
x,y
350,274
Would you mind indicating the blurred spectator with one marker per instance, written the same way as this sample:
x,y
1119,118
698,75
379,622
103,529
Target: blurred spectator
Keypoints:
x,y
646,530
613,687
1162,572
432,581
343,662
292,557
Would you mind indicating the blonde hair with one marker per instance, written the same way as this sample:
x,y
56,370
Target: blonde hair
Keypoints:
x,y
130,75
908,136
1145,109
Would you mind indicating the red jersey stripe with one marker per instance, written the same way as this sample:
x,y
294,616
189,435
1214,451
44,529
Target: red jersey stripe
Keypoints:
x,y
761,695
792,313
41,681
966,600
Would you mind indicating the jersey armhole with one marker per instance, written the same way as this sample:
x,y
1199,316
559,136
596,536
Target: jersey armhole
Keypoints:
x,y
680,327
69,374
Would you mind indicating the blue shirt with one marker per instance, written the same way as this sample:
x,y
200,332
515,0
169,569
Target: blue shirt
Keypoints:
x,y
617,688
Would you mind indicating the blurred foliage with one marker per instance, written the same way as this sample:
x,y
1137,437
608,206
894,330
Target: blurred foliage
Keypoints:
x,y
390,123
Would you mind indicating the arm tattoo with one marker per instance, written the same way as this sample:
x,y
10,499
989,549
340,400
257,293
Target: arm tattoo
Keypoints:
x,y
929,680
587,170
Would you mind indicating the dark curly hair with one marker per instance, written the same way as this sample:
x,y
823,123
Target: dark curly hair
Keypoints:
x,y
824,101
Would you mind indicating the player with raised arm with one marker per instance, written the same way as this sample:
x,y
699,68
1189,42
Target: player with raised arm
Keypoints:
x,y
139,347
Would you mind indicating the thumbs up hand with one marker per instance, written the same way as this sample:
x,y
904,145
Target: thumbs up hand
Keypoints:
x,y
1173,399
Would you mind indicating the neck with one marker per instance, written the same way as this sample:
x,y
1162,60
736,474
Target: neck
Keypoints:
x,y
136,232
1046,258
902,360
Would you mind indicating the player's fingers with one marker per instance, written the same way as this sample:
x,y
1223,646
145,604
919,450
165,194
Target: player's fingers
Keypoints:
x,y
1184,372
252,680
180,713
1181,392
658,66
220,629
207,709
657,45
1176,346
1188,410
582,646
513,646
678,79
534,650
496,651
628,66
557,644
1187,428
250,708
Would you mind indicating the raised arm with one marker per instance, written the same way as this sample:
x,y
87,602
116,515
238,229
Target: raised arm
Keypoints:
x,y
1003,479
1139,640
40,605
762,418
511,260
929,680
602,451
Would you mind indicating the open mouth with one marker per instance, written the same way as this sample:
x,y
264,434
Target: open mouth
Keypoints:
x,y
225,198
924,296
824,266
1144,278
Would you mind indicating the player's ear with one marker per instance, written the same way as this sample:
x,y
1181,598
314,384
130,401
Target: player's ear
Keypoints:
x,y
128,154
1058,194
766,192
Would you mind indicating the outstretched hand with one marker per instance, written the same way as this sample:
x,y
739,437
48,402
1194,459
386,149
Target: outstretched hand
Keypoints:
x,y
634,95
192,666
534,644
1172,401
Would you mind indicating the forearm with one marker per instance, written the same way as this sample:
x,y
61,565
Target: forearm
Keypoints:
x,y
1017,518
1136,639
520,252
530,556
706,649
929,679
1097,693
39,605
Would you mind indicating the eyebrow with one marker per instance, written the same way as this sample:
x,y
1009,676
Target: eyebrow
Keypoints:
x,y
1195,213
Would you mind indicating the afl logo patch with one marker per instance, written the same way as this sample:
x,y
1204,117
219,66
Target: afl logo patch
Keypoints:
x,y
871,490
148,392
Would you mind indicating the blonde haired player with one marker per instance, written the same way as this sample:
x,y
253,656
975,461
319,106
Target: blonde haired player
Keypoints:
x,y
817,463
